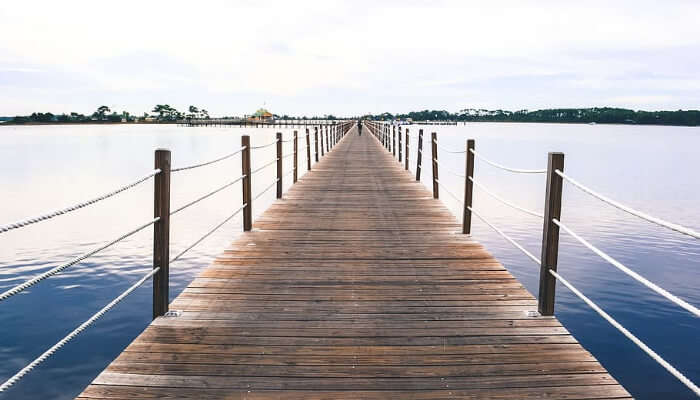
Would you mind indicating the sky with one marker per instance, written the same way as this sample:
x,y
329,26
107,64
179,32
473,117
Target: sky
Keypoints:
x,y
347,57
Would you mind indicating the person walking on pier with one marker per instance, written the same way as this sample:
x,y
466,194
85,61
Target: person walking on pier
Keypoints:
x,y
359,127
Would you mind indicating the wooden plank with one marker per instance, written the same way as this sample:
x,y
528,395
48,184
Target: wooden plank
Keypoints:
x,y
357,285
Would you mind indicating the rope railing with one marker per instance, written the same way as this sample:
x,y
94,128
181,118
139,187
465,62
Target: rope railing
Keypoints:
x,y
515,170
206,235
213,192
47,216
264,166
506,237
208,162
262,146
266,189
678,228
453,172
48,353
679,302
449,191
33,281
161,231
548,265
446,150
668,367
504,201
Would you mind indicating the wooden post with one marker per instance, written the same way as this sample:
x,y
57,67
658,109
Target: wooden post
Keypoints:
x,y
316,142
327,141
321,129
468,189
393,141
279,165
161,233
434,156
308,149
296,140
400,147
550,234
406,159
419,154
245,171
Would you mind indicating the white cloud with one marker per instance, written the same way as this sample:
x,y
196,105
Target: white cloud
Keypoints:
x,y
348,56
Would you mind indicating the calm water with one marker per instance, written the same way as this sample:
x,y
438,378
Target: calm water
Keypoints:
x,y
47,167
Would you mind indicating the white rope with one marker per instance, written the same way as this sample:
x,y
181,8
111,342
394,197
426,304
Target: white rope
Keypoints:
x,y
266,189
206,235
44,217
449,192
687,382
208,162
449,170
513,242
448,150
17,289
16,377
264,166
630,210
679,302
288,155
263,145
193,202
504,201
516,170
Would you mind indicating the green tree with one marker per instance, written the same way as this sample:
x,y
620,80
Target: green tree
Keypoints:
x,y
194,112
101,111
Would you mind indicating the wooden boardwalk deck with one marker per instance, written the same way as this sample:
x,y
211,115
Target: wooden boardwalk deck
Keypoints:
x,y
357,285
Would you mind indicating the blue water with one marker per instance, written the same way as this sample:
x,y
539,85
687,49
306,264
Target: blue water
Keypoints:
x,y
48,167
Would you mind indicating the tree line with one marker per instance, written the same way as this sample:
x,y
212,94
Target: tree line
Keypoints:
x,y
599,115
160,113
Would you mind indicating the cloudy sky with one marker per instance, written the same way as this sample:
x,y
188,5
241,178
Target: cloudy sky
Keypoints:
x,y
347,57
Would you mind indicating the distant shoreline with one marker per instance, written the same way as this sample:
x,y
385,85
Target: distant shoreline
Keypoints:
x,y
10,123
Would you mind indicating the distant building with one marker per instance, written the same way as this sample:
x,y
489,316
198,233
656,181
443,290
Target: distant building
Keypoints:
x,y
262,115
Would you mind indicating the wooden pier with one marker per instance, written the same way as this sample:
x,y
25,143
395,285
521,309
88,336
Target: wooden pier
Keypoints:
x,y
357,284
